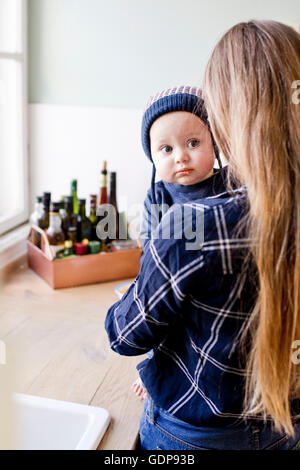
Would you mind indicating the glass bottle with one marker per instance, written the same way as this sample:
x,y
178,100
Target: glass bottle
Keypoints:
x,y
62,210
102,212
34,220
72,234
54,232
74,194
112,200
93,215
43,220
102,199
69,248
38,208
69,219
84,225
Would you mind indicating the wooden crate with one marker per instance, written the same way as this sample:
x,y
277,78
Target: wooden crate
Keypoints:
x,y
80,270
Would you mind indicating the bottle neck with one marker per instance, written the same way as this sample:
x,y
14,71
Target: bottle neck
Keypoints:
x,y
46,207
82,210
73,188
103,196
112,193
103,180
69,208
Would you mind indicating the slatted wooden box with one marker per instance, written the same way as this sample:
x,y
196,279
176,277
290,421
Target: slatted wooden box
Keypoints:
x,y
80,270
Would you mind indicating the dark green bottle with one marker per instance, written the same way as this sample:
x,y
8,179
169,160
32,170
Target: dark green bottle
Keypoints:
x,y
93,215
112,200
84,225
69,219
43,220
74,194
54,232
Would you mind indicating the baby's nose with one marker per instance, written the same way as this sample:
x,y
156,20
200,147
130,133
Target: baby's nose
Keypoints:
x,y
182,156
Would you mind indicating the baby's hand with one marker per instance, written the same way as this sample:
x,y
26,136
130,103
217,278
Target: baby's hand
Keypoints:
x,y
139,389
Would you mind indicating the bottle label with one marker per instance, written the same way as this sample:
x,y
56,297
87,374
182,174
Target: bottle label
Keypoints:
x,y
103,182
55,221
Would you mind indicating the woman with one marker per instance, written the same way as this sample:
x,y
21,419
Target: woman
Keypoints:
x,y
223,315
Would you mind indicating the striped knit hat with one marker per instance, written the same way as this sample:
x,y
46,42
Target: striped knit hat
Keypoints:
x,y
182,98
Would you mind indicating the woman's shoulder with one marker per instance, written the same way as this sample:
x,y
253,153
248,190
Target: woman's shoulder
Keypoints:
x,y
228,200
206,220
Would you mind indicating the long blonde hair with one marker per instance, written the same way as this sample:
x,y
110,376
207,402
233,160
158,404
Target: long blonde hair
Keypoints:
x,y
255,119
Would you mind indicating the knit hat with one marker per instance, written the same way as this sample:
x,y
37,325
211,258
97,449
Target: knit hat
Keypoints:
x,y
182,98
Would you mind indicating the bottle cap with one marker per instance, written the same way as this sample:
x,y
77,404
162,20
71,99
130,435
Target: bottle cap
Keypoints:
x,y
104,170
94,247
46,198
68,244
74,186
81,202
38,199
81,249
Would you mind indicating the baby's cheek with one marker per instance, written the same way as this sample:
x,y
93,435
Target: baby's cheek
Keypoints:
x,y
164,170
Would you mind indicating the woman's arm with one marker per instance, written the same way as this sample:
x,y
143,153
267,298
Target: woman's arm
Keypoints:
x,y
153,303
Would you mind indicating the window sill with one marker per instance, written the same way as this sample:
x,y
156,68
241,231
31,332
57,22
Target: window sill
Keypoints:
x,y
13,245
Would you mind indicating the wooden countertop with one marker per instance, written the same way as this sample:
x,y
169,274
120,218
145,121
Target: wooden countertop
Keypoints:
x,y
60,346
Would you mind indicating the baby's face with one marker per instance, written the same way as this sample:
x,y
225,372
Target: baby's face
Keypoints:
x,y
181,148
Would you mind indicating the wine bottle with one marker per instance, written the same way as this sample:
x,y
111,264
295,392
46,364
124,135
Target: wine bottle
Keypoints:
x,y
69,219
84,225
114,213
74,194
34,220
102,199
54,232
43,220
93,215
102,212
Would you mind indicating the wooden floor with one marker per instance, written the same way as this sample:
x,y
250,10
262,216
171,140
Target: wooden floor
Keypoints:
x,y
57,341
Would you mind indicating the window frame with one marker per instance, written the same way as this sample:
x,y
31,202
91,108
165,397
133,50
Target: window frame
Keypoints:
x,y
11,222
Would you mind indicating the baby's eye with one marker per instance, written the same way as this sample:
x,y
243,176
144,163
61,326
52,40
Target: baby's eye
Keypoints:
x,y
166,149
193,143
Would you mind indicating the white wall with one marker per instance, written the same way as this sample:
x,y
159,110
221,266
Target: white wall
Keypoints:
x,y
115,53
92,66
69,142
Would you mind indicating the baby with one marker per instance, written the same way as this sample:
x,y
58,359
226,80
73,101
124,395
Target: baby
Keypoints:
x,y
176,138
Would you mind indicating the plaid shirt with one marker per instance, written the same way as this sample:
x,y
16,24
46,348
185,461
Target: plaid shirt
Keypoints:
x,y
190,307
168,194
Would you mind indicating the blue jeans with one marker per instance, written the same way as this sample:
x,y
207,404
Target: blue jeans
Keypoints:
x,y
159,430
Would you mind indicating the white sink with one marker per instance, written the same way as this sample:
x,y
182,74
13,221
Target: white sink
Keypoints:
x,y
43,423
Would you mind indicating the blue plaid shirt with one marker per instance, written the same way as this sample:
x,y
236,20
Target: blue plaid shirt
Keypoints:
x,y
190,307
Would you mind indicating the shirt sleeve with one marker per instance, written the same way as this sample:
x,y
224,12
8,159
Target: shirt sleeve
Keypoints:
x,y
154,302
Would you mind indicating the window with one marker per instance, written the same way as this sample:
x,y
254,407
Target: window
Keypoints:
x,y
13,111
